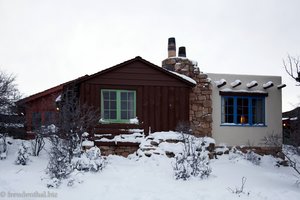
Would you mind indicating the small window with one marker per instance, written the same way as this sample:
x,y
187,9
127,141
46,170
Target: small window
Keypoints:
x,y
240,110
36,120
118,105
49,118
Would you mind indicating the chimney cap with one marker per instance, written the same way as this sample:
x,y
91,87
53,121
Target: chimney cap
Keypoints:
x,y
182,52
172,44
171,40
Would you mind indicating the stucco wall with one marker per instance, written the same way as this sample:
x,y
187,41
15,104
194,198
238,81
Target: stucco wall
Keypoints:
x,y
246,135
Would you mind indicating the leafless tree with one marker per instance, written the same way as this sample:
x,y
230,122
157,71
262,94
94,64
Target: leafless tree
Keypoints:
x,y
292,67
74,119
9,93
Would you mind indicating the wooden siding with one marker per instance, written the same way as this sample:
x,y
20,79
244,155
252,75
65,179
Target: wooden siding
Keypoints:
x,y
161,100
41,105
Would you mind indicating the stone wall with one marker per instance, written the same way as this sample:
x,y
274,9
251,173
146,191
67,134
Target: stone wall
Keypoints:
x,y
120,148
200,96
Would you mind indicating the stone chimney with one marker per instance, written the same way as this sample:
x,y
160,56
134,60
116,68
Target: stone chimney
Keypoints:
x,y
179,64
200,104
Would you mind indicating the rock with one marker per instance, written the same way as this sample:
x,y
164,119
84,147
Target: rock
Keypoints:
x,y
170,154
154,143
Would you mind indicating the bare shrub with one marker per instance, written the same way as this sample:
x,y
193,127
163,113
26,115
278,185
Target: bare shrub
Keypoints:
x,y
240,190
194,160
275,141
253,157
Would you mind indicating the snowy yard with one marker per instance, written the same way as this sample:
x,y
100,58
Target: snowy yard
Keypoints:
x,y
150,178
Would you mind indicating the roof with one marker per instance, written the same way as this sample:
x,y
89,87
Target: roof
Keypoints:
x,y
49,91
187,80
292,113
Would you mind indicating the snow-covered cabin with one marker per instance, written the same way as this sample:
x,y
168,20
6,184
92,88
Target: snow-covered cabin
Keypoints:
x,y
137,97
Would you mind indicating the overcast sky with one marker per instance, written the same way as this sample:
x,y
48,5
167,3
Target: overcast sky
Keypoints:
x,y
46,43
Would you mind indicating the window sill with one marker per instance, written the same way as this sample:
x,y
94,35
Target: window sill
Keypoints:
x,y
243,125
131,121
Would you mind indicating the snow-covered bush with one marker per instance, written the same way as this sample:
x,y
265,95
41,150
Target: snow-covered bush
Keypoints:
x,y
23,154
253,157
53,183
194,161
3,146
91,160
58,167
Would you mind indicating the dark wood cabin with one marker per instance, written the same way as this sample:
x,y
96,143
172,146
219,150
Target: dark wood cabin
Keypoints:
x,y
135,90
160,98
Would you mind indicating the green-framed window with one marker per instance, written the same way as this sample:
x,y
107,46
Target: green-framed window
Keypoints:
x,y
118,105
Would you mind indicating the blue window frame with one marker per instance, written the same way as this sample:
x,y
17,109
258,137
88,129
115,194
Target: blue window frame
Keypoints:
x,y
243,110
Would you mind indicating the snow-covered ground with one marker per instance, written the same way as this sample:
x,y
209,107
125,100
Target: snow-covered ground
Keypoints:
x,y
150,179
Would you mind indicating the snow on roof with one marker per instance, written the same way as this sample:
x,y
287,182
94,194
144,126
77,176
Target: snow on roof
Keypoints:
x,y
251,84
58,99
185,77
245,91
268,84
236,83
220,82
281,86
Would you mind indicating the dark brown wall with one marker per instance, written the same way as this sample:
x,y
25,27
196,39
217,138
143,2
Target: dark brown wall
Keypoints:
x,y
40,105
162,101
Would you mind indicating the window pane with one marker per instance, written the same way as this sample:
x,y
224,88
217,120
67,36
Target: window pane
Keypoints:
x,y
113,105
49,118
106,105
36,120
131,96
112,95
105,95
242,110
123,105
109,104
257,111
124,115
227,109
106,114
123,96
130,105
229,119
113,115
